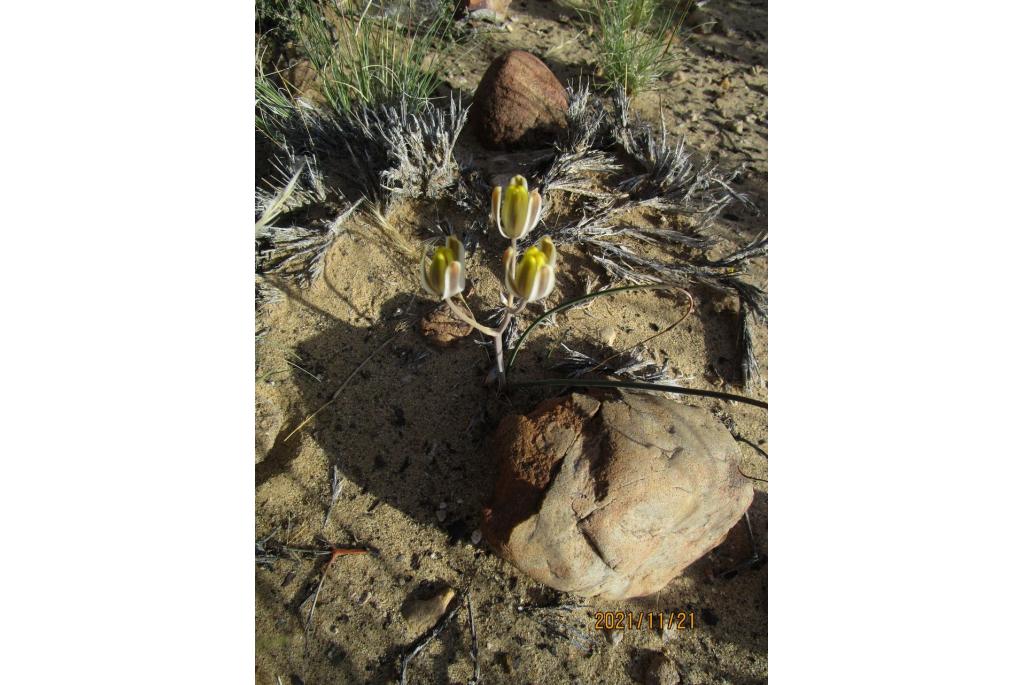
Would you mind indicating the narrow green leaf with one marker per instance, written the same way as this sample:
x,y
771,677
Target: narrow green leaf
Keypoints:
x,y
573,303
632,385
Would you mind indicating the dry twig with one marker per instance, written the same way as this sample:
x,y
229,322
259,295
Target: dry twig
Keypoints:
x,y
422,643
337,393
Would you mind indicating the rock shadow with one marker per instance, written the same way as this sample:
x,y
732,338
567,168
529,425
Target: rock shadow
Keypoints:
x,y
410,426
732,607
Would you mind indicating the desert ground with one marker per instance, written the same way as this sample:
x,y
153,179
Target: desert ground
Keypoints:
x,y
399,463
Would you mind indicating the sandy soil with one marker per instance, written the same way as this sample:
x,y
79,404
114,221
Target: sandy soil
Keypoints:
x,y
411,431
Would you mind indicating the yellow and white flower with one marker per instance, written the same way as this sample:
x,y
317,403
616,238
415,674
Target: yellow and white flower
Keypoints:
x,y
443,274
533,277
518,212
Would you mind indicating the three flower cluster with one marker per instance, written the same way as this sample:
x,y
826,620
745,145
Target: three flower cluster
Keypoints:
x,y
530,277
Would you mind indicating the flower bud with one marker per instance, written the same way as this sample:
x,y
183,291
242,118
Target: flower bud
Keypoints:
x,y
443,274
518,212
533,277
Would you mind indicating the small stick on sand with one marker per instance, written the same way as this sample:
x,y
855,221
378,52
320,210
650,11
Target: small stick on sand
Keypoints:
x,y
473,649
647,340
337,480
337,393
747,475
308,373
335,552
755,556
422,643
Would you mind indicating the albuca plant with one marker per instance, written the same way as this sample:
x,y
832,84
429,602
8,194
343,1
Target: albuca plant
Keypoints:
x,y
528,278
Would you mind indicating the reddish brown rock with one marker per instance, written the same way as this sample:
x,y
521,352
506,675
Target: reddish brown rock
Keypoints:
x,y
613,497
442,328
519,103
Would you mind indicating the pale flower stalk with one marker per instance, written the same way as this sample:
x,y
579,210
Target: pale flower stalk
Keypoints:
x,y
531,277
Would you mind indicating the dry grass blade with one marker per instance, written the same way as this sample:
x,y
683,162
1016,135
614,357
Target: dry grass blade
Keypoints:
x,y
341,388
643,342
419,146
271,205
337,482
674,179
757,248
620,262
296,252
748,362
578,155
473,651
389,235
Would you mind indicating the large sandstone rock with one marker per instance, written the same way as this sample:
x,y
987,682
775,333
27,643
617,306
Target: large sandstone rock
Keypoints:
x,y
519,102
613,497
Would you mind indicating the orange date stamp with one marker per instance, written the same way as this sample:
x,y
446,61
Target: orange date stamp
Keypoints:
x,y
651,620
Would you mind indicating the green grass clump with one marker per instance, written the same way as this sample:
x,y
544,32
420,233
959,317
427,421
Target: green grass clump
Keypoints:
x,y
272,105
367,53
634,38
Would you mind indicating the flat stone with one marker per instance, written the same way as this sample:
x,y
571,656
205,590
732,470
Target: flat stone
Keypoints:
x,y
607,335
442,328
422,614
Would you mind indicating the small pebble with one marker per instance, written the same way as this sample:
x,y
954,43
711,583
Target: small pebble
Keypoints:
x,y
421,614
475,536
441,514
607,335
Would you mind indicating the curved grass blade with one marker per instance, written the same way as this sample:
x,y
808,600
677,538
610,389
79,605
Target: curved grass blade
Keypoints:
x,y
573,303
631,385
